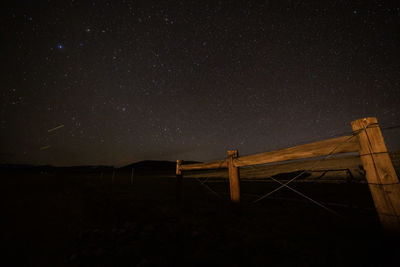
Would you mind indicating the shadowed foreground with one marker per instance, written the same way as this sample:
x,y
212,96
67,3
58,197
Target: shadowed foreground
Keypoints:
x,y
80,220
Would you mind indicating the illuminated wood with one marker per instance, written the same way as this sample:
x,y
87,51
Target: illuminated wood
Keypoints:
x,y
220,164
316,149
338,163
178,167
380,174
234,180
367,140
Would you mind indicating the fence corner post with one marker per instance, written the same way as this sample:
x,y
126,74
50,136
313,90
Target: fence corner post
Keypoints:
x,y
179,179
234,176
380,174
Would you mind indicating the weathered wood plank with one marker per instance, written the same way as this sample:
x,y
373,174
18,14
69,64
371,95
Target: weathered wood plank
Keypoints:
x,y
349,162
220,164
316,149
352,163
380,174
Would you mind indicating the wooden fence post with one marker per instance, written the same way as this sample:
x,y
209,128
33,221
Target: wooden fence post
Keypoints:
x,y
234,179
380,174
179,178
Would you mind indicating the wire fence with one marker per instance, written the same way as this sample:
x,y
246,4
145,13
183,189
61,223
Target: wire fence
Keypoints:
x,y
285,184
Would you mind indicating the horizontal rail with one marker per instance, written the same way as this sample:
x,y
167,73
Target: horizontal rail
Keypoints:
x,y
316,149
352,163
331,146
220,164
263,171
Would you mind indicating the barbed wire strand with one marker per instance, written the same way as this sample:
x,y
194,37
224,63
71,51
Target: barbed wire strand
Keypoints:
x,y
203,183
209,188
307,197
383,128
298,192
313,166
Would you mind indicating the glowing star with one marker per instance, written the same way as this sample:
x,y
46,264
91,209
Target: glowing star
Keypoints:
x,y
60,46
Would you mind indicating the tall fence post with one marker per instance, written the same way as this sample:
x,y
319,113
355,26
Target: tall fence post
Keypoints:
x,y
179,178
234,179
380,174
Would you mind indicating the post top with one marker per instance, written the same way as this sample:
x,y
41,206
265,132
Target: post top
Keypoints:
x,y
233,153
363,123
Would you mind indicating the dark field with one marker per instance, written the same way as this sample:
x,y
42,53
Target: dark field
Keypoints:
x,y
78,219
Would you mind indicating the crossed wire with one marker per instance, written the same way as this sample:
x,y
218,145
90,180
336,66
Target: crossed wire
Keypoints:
x,y
208,188
307,197
282,185
354,133
203,183
294,190
285,184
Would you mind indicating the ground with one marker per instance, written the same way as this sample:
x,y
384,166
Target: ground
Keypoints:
x,y
83,219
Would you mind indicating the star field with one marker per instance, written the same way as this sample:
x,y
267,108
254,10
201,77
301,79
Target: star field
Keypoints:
x,y
135,80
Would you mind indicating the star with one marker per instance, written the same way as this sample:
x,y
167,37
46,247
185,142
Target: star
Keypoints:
x,y
221,74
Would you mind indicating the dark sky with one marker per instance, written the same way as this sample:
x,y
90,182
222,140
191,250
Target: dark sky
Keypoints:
x,y
134,80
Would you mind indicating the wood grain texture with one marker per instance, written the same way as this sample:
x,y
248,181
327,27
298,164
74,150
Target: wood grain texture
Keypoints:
x,y
380,174
220,164
178,167
234,179
321,148
352,163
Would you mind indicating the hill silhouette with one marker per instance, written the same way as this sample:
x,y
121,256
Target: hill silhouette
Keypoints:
x,y
54,169
154,166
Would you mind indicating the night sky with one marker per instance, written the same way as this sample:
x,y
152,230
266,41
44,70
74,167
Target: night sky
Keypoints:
x,y
132,80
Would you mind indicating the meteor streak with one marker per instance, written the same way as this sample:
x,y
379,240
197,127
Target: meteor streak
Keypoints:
x,y
56,128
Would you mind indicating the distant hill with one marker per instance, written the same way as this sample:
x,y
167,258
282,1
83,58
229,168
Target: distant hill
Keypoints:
x,y
154,166
49,168
340,163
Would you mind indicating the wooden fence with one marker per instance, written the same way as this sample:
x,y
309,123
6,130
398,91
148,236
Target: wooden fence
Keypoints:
x,y
366,139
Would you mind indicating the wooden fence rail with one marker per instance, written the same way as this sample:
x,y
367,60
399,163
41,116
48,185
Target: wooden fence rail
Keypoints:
x,y
220,164
367,139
